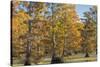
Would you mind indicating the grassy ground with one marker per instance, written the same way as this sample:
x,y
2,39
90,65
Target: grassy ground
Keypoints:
x,y
67,59
70,60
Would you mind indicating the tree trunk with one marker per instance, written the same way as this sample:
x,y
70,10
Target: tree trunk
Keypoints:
x,y
55,59
87,54
29,44
28,52
62,56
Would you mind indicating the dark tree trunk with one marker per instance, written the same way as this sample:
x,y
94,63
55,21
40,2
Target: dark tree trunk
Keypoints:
x,y
56,60
96,51
87,54
29,44
28,53
27,62
75,52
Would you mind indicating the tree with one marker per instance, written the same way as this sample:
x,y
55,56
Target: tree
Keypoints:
x,y
36,11
89,32
65,30
32,16
19,28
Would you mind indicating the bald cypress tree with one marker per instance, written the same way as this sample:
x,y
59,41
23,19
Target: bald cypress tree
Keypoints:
x,y
89,32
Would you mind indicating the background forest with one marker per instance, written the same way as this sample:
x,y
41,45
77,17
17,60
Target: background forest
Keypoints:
x,y
49,33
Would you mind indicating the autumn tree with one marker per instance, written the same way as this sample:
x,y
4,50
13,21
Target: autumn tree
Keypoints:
x,y
19,28
89,32
33,17
66,31
40,26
